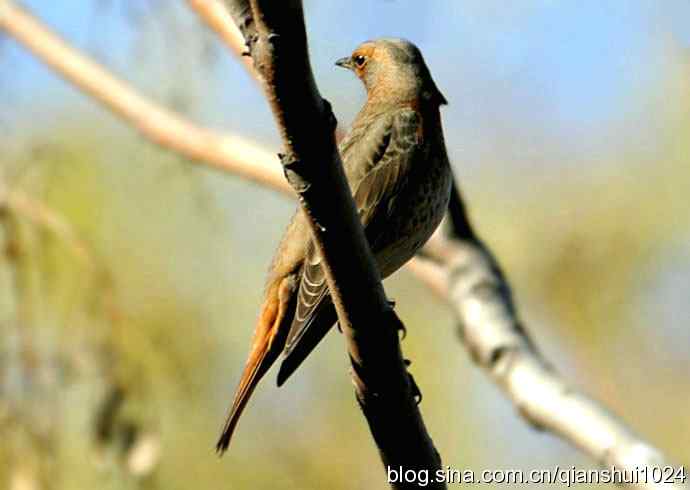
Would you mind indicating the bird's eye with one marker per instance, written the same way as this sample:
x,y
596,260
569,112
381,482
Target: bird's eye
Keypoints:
x,y
360,60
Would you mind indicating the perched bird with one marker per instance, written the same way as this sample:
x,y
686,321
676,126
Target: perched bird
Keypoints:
x,y
396,164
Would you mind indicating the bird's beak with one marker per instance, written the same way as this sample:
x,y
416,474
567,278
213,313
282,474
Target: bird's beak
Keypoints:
x,y
345,62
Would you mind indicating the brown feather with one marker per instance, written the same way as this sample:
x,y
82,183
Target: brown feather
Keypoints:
x,y
268,343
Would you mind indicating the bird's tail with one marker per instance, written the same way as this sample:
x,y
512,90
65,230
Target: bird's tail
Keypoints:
x,y
269,339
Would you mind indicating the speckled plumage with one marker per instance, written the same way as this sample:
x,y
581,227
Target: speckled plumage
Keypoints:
x,y
396,164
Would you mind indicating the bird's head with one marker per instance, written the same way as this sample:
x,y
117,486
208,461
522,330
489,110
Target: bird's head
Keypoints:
x,y
393,70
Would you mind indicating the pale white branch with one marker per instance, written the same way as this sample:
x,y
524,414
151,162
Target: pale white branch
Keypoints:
x,y
466,276
215,14
160,125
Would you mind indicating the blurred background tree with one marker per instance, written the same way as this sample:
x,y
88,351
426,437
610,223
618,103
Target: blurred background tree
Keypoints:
x,y
130,279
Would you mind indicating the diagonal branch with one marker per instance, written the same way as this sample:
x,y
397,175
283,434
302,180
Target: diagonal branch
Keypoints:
x,y
156,123
215,14
386,393
463,272
219,18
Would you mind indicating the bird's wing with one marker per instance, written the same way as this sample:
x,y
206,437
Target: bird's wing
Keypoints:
x,y
377,165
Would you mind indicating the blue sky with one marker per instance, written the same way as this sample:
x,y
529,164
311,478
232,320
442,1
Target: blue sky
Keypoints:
x,y
568,70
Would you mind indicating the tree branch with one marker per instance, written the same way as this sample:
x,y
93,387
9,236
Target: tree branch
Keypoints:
x,y
156,123
386,393
219,18
458,268
215,14
463,272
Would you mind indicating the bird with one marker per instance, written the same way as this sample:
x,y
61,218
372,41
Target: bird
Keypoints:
x,y
397,167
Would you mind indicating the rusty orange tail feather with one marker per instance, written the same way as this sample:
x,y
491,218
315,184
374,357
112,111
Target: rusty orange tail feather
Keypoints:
x,y
257,365
269,339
